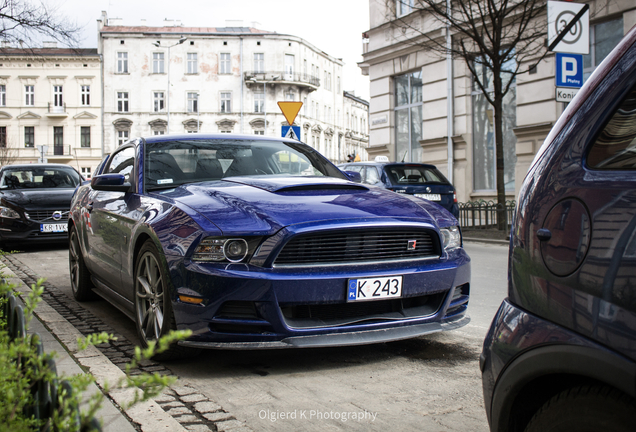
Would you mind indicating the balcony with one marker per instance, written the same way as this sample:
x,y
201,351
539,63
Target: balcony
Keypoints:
x,y
57,111
258,79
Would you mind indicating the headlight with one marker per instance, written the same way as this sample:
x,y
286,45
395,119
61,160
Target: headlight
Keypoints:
x,y
221,249
452,238
8,213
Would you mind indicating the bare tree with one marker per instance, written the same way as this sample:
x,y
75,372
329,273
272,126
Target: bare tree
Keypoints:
x,y
498,40
24,22
8,154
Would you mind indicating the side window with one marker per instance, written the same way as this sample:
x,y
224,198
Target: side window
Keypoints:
x,y
372,175
615,147
122,162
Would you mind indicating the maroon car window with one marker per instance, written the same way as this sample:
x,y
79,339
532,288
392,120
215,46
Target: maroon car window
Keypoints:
x,y
615,147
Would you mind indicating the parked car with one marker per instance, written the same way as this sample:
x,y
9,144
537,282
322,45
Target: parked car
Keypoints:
x,y
254,242
35,201
560,354
417,179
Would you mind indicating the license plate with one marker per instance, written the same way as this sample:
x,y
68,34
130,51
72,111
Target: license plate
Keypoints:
x,y
53,228
374,288
430,197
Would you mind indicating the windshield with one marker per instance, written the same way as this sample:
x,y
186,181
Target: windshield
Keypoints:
x,y
171,163
414,175
39,178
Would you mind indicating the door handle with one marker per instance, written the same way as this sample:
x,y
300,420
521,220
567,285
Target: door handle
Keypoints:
x,y
544,234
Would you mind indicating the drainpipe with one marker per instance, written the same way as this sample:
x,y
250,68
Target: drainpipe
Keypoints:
x,y
101,69
242,83
449,97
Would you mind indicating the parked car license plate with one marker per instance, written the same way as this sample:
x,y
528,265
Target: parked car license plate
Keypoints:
x,y
53,228
430,197
374,288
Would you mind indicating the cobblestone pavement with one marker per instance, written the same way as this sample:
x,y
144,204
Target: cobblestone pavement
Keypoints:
x,y
194,411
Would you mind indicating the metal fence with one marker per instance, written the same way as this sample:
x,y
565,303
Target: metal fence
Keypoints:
x,y
45,391
483,214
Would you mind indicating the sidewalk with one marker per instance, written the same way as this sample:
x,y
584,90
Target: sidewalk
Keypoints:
x,y
60,336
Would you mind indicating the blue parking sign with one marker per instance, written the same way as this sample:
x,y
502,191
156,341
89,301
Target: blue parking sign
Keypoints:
x,y
569,70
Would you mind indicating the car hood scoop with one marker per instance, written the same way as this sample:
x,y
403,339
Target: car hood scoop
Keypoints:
x,y
260,207
297,184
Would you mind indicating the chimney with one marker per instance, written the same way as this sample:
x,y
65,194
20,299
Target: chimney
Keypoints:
x,y
115,21
168,22
143,23
49,44
5,44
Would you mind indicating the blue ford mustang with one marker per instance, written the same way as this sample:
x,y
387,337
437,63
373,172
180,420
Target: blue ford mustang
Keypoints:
x,y
255,242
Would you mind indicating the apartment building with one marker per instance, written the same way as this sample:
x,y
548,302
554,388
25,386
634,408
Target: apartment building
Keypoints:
x,y
50,106
410,99
177,79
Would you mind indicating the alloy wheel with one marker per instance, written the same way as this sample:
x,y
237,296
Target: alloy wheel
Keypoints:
x,y
149,292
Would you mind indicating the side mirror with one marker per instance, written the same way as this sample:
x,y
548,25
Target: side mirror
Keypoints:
x,y
354,176
110,182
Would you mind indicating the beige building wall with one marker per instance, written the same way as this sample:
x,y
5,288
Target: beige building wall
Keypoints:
x,y
44,68
390,52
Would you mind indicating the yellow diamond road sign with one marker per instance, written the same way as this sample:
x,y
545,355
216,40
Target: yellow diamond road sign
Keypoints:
x,y
290,110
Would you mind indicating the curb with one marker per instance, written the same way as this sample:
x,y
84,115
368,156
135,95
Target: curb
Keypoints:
x,y
482,240
179,408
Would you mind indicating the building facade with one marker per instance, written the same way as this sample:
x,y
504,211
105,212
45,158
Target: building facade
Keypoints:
x,y
51,97
426,108
176,79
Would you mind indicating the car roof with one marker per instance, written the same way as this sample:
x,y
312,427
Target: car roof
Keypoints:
x,y
45,165
220,136
381,164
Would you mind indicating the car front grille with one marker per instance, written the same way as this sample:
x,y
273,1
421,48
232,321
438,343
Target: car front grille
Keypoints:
x,y
46,216
356,246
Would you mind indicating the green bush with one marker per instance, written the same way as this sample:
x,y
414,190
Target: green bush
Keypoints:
x,y
22,368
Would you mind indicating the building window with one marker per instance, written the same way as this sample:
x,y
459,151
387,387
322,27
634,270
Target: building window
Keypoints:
x,y
193,102
3,136
57,96
484,151
289,96
122,101
225,64
122,62
157,63
408,116
259,102
29,136
193,63
289,67
259,132
3,95
259,62
403,7
29,92
58,140
226,102
85,136
305,69
603,38
86,172
158,132
86,95
122,137
338,85
158,101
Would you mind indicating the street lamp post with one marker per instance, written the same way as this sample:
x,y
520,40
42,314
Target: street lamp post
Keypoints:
x,y
158,44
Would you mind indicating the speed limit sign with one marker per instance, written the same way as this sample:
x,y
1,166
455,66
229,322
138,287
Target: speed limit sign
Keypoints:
x,y
577,39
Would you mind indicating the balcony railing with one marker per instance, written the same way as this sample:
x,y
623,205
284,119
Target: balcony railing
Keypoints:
x,y
57,111
253,77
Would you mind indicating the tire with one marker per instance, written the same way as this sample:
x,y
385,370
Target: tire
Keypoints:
x,y
586,409
153,307
81,284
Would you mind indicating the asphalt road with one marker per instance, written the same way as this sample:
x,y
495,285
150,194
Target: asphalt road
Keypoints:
x,y
429,383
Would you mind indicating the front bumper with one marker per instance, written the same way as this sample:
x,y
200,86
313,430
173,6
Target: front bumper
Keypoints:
x,y
248,307
20,231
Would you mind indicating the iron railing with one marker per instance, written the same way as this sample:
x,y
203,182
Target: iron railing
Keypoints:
x,y
44,391
281,76
483,214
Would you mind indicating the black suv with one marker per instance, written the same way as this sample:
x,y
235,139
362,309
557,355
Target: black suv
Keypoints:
x,y
561,352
